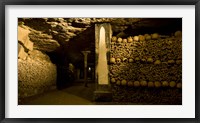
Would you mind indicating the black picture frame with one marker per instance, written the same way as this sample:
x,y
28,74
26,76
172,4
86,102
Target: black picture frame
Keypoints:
x,y
98,2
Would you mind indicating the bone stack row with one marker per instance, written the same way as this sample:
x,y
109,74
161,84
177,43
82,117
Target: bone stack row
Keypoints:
x,y
147,60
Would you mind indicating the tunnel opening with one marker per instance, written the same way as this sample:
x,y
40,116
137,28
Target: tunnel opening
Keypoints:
x,y
71,54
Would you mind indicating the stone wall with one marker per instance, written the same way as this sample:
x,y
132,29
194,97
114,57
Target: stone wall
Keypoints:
x,y
36,72
147,68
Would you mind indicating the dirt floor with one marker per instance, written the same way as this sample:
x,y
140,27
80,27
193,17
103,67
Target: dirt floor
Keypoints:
x,y
77,94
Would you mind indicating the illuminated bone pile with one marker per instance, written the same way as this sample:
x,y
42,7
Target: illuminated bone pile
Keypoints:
x,y
149,60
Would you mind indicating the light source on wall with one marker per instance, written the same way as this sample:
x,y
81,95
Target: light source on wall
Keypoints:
x,y
89,68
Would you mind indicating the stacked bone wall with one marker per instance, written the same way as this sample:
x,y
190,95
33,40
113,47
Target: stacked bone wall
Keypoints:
x,y
147,69
35,77
36,72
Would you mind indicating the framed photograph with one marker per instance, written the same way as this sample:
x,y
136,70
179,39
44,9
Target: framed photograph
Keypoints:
x,y
73,61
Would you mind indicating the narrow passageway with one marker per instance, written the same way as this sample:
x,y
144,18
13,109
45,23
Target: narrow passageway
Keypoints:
x,y
77,94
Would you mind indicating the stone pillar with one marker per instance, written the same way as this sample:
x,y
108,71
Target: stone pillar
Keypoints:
x,y
85,53
78,74
103,35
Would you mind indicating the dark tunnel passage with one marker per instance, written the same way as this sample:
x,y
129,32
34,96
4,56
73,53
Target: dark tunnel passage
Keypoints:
x,y
71,54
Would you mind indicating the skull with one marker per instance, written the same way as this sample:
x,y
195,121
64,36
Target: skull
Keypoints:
x,y
112,60
118,60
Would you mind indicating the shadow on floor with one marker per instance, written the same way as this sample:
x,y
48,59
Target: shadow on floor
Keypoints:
x,y
76,94
78,89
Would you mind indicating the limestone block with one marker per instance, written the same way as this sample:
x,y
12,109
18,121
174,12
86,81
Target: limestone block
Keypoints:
x,y
23,38
29,45
23,34
21,53
43,42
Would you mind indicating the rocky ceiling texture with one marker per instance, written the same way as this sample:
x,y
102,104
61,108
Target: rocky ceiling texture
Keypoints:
x,y
63,39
